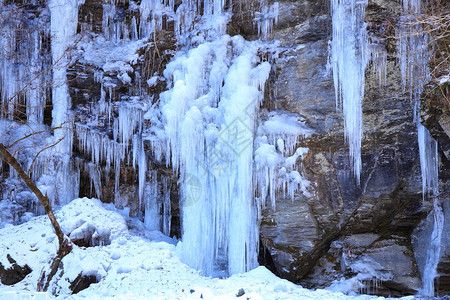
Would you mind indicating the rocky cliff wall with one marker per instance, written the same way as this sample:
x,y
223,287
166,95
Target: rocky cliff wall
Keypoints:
x,y
317,239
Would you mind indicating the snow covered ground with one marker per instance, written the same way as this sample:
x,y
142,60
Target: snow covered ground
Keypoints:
x,y
130,262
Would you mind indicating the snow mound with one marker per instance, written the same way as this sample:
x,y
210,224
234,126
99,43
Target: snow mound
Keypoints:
x,y
84,216
132,266
34,243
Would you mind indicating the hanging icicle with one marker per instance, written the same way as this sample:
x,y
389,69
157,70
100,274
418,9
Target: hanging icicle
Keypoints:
x,y
210,135
349,56
414,59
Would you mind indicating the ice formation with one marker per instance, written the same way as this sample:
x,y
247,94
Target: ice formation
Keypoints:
x,y
277,155
22,70
64,21
202,127
433,251
210,111
414,59
349,56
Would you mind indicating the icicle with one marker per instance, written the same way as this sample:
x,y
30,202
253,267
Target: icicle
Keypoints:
x,y
115,27
266,18
414,60
151,17
167,215
157,203
429,161
378,55
152,218
129,121
64,20
142,170
433,251
94,174
277,155
349,55
35,97
20,64
209,130
108,23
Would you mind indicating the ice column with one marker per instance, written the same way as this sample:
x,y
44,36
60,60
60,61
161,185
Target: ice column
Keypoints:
x,y
210,113
433,251
349,55
64,20
414,60
157,203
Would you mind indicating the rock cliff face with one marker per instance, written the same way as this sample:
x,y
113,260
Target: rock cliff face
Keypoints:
x,y
374,230
315,240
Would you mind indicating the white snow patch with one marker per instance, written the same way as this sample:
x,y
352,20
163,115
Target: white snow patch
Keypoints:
x,y
132,266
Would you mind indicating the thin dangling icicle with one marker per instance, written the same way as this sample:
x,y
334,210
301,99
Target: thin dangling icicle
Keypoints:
x,y
429,161
349,56
414,60
166,211
142,169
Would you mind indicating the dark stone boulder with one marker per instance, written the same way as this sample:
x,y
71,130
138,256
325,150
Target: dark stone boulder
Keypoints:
x,y
13,274
82,282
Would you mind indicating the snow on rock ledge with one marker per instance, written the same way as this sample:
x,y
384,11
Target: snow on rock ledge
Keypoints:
x,y
85,218
35,244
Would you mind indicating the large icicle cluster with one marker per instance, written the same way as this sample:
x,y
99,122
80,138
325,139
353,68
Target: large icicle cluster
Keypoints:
x,y
349,56
202,126
210,113
20,48
28,73
277,156
23,65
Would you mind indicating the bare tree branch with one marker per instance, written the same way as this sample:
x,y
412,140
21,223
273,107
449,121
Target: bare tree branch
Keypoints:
x,y
36,156
34,133
65,245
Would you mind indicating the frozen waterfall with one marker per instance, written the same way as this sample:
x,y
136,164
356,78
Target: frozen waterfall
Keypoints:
x,y
202,126
210,113
414,60
64,21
